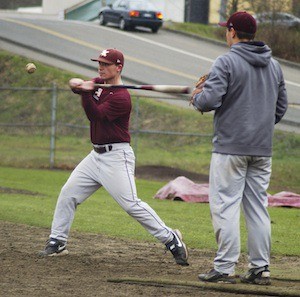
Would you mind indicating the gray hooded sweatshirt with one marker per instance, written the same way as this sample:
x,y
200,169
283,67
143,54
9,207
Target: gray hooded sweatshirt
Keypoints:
x,y
246,89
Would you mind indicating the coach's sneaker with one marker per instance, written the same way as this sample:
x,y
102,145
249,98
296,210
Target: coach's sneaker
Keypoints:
x,y
258,276
215,276
178,249
54,247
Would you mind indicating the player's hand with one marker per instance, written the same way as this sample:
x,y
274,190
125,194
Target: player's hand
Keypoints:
x,y
79,85
87,86
75,83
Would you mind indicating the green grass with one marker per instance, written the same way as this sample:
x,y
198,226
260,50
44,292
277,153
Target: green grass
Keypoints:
x,y
179,152
24,152
29,147
101,214
207,31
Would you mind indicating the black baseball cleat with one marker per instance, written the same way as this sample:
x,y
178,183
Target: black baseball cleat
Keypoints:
x,y
178,249
257,276
215,276
54,247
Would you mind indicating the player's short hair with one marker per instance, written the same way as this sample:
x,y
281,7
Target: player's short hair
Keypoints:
x,y
243,35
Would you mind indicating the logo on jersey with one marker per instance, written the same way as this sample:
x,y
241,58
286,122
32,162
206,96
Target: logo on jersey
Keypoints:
x,y
97,94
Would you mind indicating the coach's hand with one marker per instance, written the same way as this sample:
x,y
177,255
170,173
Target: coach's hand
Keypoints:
x,y
198,87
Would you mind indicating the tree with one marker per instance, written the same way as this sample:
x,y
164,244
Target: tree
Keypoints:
x,y
222,10
228,7
234,6
296,8
258,6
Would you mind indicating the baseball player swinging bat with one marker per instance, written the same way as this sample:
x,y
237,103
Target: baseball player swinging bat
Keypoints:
x,y
156,88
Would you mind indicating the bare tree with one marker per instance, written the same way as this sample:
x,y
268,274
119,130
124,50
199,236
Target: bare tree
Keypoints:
x,y
234,6
222,10
296,8
228,7
270,5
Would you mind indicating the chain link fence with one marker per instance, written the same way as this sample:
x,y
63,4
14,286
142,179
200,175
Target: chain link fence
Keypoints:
x,y
47,128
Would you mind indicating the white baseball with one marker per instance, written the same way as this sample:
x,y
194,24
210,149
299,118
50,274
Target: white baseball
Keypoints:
x,y
75,82
30,68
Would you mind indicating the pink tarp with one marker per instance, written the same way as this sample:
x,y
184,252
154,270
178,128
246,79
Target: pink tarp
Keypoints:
x,y
285,199
182,188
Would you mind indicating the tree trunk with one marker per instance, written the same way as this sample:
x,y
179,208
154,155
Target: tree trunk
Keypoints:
x,y
222,11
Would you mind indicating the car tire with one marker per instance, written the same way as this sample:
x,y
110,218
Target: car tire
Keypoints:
x,y
102,21
122,25
154,30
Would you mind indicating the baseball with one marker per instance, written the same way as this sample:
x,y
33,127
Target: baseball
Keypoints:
x,y
30,68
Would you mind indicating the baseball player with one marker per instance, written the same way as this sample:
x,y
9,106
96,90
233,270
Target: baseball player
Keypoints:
x,y
246,89
110,164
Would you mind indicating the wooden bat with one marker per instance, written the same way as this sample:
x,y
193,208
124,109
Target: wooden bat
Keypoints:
x,y
155,88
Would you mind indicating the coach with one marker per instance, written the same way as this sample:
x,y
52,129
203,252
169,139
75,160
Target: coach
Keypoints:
x,y
246,89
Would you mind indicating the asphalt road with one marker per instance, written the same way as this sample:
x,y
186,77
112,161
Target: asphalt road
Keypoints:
x,y
163,58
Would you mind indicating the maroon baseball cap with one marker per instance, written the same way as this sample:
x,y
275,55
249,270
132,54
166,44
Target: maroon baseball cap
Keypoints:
x,y
110,56
241,21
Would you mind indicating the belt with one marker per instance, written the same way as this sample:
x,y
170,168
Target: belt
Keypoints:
x,y
103,149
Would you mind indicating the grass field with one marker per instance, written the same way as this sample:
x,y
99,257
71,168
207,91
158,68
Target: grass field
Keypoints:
x,y
24,154
31,145
101,214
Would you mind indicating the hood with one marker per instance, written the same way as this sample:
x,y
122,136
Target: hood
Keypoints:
x,y
256,53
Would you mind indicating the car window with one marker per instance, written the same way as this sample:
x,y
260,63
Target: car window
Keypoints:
x,y
141,5
122,4
116,3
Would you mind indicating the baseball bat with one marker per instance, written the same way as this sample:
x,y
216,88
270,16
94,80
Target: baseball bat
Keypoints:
x,y
155,88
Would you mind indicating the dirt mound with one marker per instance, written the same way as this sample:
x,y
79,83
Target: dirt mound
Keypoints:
x,y
165,173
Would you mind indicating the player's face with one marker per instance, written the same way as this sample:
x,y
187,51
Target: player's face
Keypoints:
x,y
109,72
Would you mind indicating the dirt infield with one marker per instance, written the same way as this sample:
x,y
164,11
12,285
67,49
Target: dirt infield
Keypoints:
x,y
105,266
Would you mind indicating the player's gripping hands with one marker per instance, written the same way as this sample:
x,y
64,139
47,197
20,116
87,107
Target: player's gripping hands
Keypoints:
x,y
78,85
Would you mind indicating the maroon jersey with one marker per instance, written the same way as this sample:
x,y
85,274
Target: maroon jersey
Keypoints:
x,y
109,112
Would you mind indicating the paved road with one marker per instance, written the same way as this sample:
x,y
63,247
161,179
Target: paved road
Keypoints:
x,y
163,58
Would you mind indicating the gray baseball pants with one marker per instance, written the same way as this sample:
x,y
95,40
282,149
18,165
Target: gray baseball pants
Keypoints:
x,y
114,170
237,181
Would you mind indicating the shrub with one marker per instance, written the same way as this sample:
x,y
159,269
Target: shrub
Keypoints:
x,y
284,42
